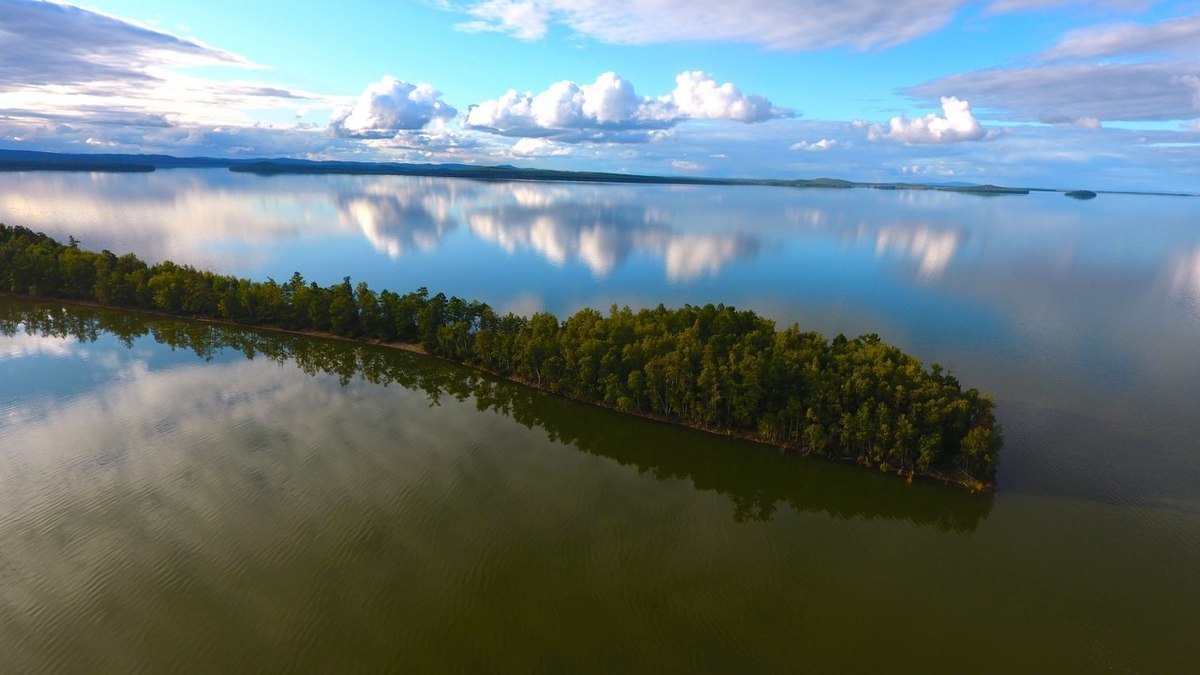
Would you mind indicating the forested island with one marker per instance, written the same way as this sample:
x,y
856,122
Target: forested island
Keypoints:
x,y
28,160
704,462
711,367
33,160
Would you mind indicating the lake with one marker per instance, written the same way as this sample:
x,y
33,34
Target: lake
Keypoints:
x,y
167,501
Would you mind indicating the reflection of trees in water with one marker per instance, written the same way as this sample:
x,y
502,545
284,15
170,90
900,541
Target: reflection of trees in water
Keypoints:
x,y
756,479
600,233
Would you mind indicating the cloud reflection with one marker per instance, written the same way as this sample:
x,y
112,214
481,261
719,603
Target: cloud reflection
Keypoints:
x,y
1184,274
556,222
932,248
22,345
603,236
397,219
201,218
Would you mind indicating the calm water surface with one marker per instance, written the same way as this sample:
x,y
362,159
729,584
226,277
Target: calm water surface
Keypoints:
x,y
323,507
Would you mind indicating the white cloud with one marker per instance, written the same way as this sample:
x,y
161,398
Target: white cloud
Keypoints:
x,y
539,147
1064,120
1104,91
391,106
522,20
1147,75
84,74
610,110
956,125
698,96
1180,35
817,146
1000,6
609,103
776,24
55,43
1192,82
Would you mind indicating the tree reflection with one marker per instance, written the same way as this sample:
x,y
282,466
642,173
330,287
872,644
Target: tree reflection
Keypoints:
x,y
757,480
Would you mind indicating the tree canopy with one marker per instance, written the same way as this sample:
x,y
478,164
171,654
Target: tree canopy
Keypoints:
x,y
712,366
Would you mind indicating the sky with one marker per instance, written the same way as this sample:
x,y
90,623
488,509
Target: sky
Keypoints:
x,y
1037,93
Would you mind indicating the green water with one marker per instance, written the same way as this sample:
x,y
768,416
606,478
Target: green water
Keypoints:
x,y
168,503
165,511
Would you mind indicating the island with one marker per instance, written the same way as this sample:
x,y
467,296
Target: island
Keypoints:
x,y
32,160
506,172
29,160
710,367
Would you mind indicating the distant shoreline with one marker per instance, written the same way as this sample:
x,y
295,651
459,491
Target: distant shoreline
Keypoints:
x,y
28,160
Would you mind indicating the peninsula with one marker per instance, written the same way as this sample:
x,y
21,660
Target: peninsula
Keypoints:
x,y
710,367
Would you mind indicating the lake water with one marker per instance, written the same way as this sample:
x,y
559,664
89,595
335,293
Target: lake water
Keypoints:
x,y
160,508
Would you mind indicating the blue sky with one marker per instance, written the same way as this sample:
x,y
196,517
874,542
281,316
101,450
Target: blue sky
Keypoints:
x,y
1045,93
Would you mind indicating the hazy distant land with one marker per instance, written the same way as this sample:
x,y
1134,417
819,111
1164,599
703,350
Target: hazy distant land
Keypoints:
x,y
28,160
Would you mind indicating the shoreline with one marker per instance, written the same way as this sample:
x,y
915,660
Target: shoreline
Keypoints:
x,y
32,160
962,480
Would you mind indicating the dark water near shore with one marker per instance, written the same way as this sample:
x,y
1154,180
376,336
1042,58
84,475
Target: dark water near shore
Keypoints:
x,y
158,508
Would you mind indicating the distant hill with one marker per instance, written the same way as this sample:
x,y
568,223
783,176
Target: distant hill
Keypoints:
x,y
30,160
504,172
62,161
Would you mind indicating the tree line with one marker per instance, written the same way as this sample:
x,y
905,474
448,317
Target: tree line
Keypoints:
x,y
712,367
755,491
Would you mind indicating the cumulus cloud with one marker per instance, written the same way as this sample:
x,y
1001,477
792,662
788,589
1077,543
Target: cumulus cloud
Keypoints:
x,y
698,96
1103,91
776,24
956,124
389,107
609,103
539,147
610,110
